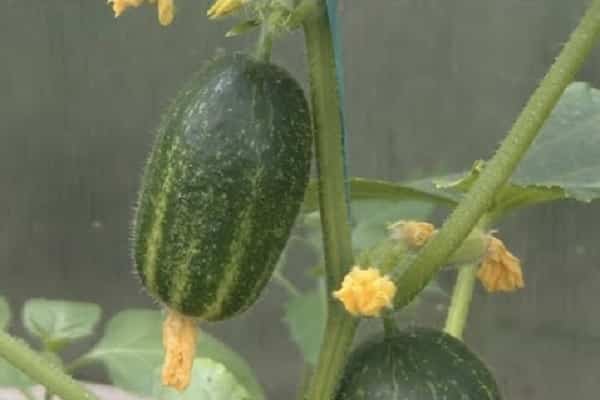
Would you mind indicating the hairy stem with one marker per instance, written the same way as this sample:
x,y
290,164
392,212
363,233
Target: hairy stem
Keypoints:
x,y
17,353
390,329
501,166
458,312
340,326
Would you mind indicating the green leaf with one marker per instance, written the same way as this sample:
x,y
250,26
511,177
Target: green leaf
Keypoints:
x,y
565,155
363,189
375,204
213,348
210,380
372,216
510,197
562,162
242,28
131,350
57,323
4,313
305,319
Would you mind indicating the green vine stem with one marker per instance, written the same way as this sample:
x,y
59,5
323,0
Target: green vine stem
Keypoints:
x,y
18,354
390,329
340,326
285,283
458,312
458,225
265,42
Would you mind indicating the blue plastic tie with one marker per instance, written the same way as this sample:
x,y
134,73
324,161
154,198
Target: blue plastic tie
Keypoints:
x,y
336,36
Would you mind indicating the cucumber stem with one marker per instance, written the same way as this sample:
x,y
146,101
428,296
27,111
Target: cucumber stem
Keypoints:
x,y
334,205
478,200
264,44
18,354
458,312
390,329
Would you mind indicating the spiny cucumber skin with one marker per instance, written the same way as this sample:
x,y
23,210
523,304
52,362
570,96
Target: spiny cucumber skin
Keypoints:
x,y
222,188
419,364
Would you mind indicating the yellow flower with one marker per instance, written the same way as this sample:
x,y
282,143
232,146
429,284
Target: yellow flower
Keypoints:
x,y
414,233
119,6
223,7
500,270
365,292
179,340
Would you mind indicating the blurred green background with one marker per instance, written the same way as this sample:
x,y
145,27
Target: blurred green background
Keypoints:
x,y
431,86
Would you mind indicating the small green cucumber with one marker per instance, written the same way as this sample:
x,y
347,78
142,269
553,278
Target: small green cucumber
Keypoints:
x,y
418,364
222,187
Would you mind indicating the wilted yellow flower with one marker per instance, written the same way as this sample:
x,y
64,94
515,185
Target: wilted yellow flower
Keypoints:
x,y
179,340
166,12
221,8
119,6
414,233
500,270
366,292
166,8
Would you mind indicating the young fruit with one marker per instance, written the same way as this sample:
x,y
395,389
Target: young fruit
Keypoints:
x,y
222,187
419,364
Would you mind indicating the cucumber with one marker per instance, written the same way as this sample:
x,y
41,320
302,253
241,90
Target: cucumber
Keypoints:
x,y
418,364
222,187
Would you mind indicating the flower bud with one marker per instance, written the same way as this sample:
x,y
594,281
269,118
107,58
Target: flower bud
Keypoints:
x,y
413,233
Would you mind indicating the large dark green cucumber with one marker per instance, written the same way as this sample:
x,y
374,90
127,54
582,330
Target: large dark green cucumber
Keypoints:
x,y
419,364
222,187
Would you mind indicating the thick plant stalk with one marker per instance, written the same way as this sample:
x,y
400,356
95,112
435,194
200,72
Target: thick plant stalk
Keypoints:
x,y
458,225
340,326
18,354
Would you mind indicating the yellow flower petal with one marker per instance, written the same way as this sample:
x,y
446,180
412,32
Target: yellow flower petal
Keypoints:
x,y
179,340
414,233
119,6
221,8
166,12
500,270
365,292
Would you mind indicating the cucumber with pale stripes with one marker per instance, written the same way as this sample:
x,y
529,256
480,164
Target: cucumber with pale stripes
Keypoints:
x,y
222,187
417,364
